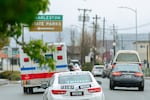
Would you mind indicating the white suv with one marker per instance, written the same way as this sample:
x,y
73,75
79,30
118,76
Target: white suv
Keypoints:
x,y
127,56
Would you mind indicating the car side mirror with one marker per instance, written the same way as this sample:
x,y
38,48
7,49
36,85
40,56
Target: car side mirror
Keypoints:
x,y
99,82
44,85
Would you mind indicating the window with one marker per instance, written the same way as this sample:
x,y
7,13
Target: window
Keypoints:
x,y
70,79
130,67
127,57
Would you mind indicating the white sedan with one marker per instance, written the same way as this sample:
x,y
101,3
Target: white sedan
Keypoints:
x,y
74,85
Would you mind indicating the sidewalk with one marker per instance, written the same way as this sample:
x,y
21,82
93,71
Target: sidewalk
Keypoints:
x,y
4,81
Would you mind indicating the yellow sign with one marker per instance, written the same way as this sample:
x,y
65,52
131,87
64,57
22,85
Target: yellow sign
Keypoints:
x,y
46,26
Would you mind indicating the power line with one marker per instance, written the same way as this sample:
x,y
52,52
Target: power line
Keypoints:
x,y
130,28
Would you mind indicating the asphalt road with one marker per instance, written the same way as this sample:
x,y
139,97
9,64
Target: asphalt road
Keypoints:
x,y
14,91
121,93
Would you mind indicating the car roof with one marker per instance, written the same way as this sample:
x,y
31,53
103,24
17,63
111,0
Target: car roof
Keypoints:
x,y
127,51
74,60
98,65
128,64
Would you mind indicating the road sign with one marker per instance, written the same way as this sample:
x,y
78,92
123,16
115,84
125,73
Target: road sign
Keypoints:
x,y
50,23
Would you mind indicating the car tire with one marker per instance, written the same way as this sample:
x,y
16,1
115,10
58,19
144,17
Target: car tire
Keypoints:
x,y
111,85
30,90
24,90
141,88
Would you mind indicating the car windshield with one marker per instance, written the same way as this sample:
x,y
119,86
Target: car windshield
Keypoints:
x,y
70,79
75,63
127,57
128,68
98,67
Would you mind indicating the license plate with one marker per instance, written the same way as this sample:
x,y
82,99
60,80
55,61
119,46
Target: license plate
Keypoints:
x,y
77,93
127,76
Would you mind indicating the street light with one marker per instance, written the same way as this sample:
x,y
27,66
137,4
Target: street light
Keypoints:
x,y
114,47
135,11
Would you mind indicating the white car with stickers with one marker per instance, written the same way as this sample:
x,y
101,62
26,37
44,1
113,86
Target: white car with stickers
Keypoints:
x,y
74,85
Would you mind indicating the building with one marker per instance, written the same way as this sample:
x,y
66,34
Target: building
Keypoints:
x,y
143,48
9,59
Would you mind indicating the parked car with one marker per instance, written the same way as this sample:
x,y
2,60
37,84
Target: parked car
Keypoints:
x,y
74,85
127,75
75,61
74,67
97,70
107,70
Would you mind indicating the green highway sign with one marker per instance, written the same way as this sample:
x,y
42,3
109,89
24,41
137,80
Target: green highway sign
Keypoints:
x,y
49,17
47,23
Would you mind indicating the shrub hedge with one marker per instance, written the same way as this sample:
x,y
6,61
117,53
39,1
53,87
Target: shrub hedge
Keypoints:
x,y
10,75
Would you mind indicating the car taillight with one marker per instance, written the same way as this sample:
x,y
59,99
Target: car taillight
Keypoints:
x,y
116,73
59,92
138,74
93,90
113,66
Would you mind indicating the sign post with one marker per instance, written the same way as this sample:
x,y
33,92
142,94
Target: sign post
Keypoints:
x,y
47,23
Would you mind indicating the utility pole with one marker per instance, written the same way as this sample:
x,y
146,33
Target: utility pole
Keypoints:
x,y
114,39
94,37
83,28
103,31
103,36
148,50
72,42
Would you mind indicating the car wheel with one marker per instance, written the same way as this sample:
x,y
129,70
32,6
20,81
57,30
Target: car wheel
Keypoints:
x,y
103,75
141,88
31,90
24,90
111,85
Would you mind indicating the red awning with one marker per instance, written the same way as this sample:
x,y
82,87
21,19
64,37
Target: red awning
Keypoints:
x,y
3,55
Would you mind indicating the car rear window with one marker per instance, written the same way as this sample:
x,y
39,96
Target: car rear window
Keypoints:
x,y
98,67
128,68
70,79
127,57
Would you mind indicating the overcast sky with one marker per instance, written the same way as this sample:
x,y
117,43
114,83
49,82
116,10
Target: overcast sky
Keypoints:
x,y
122,18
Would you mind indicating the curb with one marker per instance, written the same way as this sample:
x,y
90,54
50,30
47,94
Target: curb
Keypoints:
x,y
146,77
14,82
5,82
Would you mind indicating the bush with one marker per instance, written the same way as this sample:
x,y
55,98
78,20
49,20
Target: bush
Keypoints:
x,y
10,75
146,72
87,67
